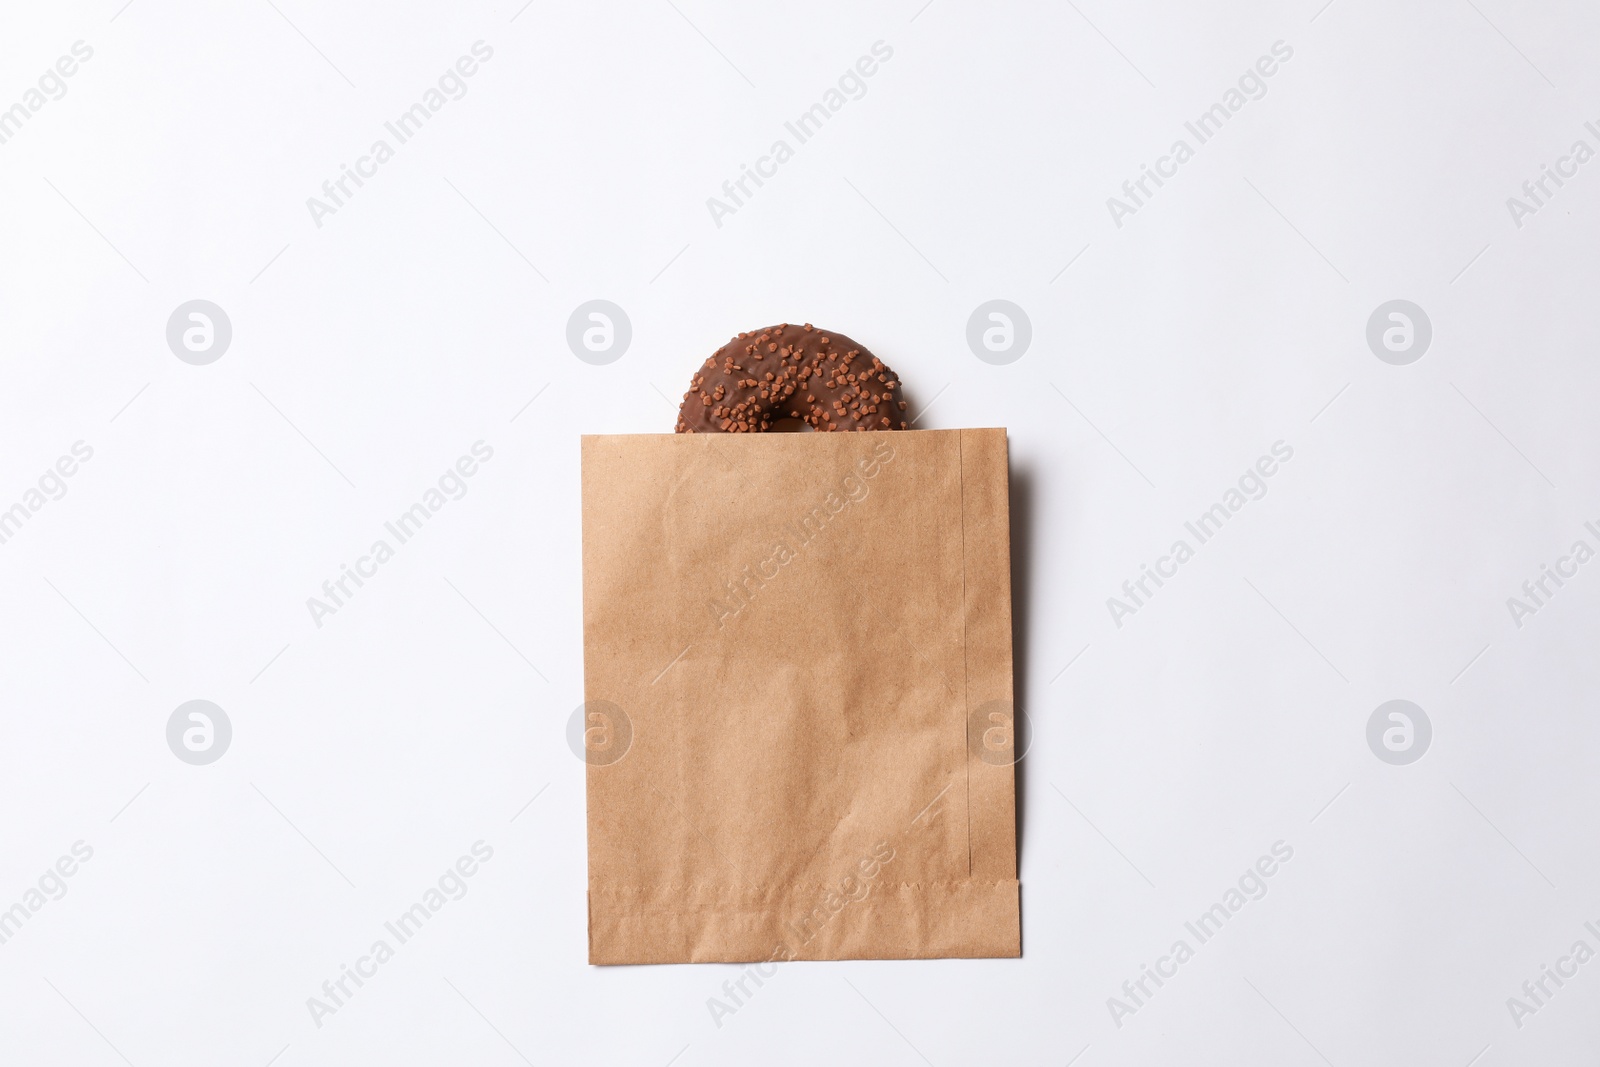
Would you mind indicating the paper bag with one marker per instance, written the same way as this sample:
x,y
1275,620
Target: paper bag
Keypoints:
x,y
797,684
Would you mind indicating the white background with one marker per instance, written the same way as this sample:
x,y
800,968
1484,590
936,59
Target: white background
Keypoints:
x,y
369,353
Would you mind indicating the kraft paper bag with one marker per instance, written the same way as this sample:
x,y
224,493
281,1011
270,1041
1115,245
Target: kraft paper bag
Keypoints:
x,y
797,683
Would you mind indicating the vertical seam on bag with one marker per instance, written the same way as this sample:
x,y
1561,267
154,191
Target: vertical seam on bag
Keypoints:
x,y
966,712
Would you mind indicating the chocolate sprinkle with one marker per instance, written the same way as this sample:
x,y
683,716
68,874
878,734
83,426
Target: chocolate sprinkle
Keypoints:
x,y
827,381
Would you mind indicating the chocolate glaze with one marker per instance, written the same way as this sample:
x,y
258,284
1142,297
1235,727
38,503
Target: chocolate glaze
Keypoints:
x,y
792,372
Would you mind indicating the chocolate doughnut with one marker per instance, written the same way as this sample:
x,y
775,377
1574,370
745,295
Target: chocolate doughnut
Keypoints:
x,y
824,379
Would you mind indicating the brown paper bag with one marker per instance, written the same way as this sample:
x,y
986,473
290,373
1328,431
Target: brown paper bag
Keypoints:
x,y
797,681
